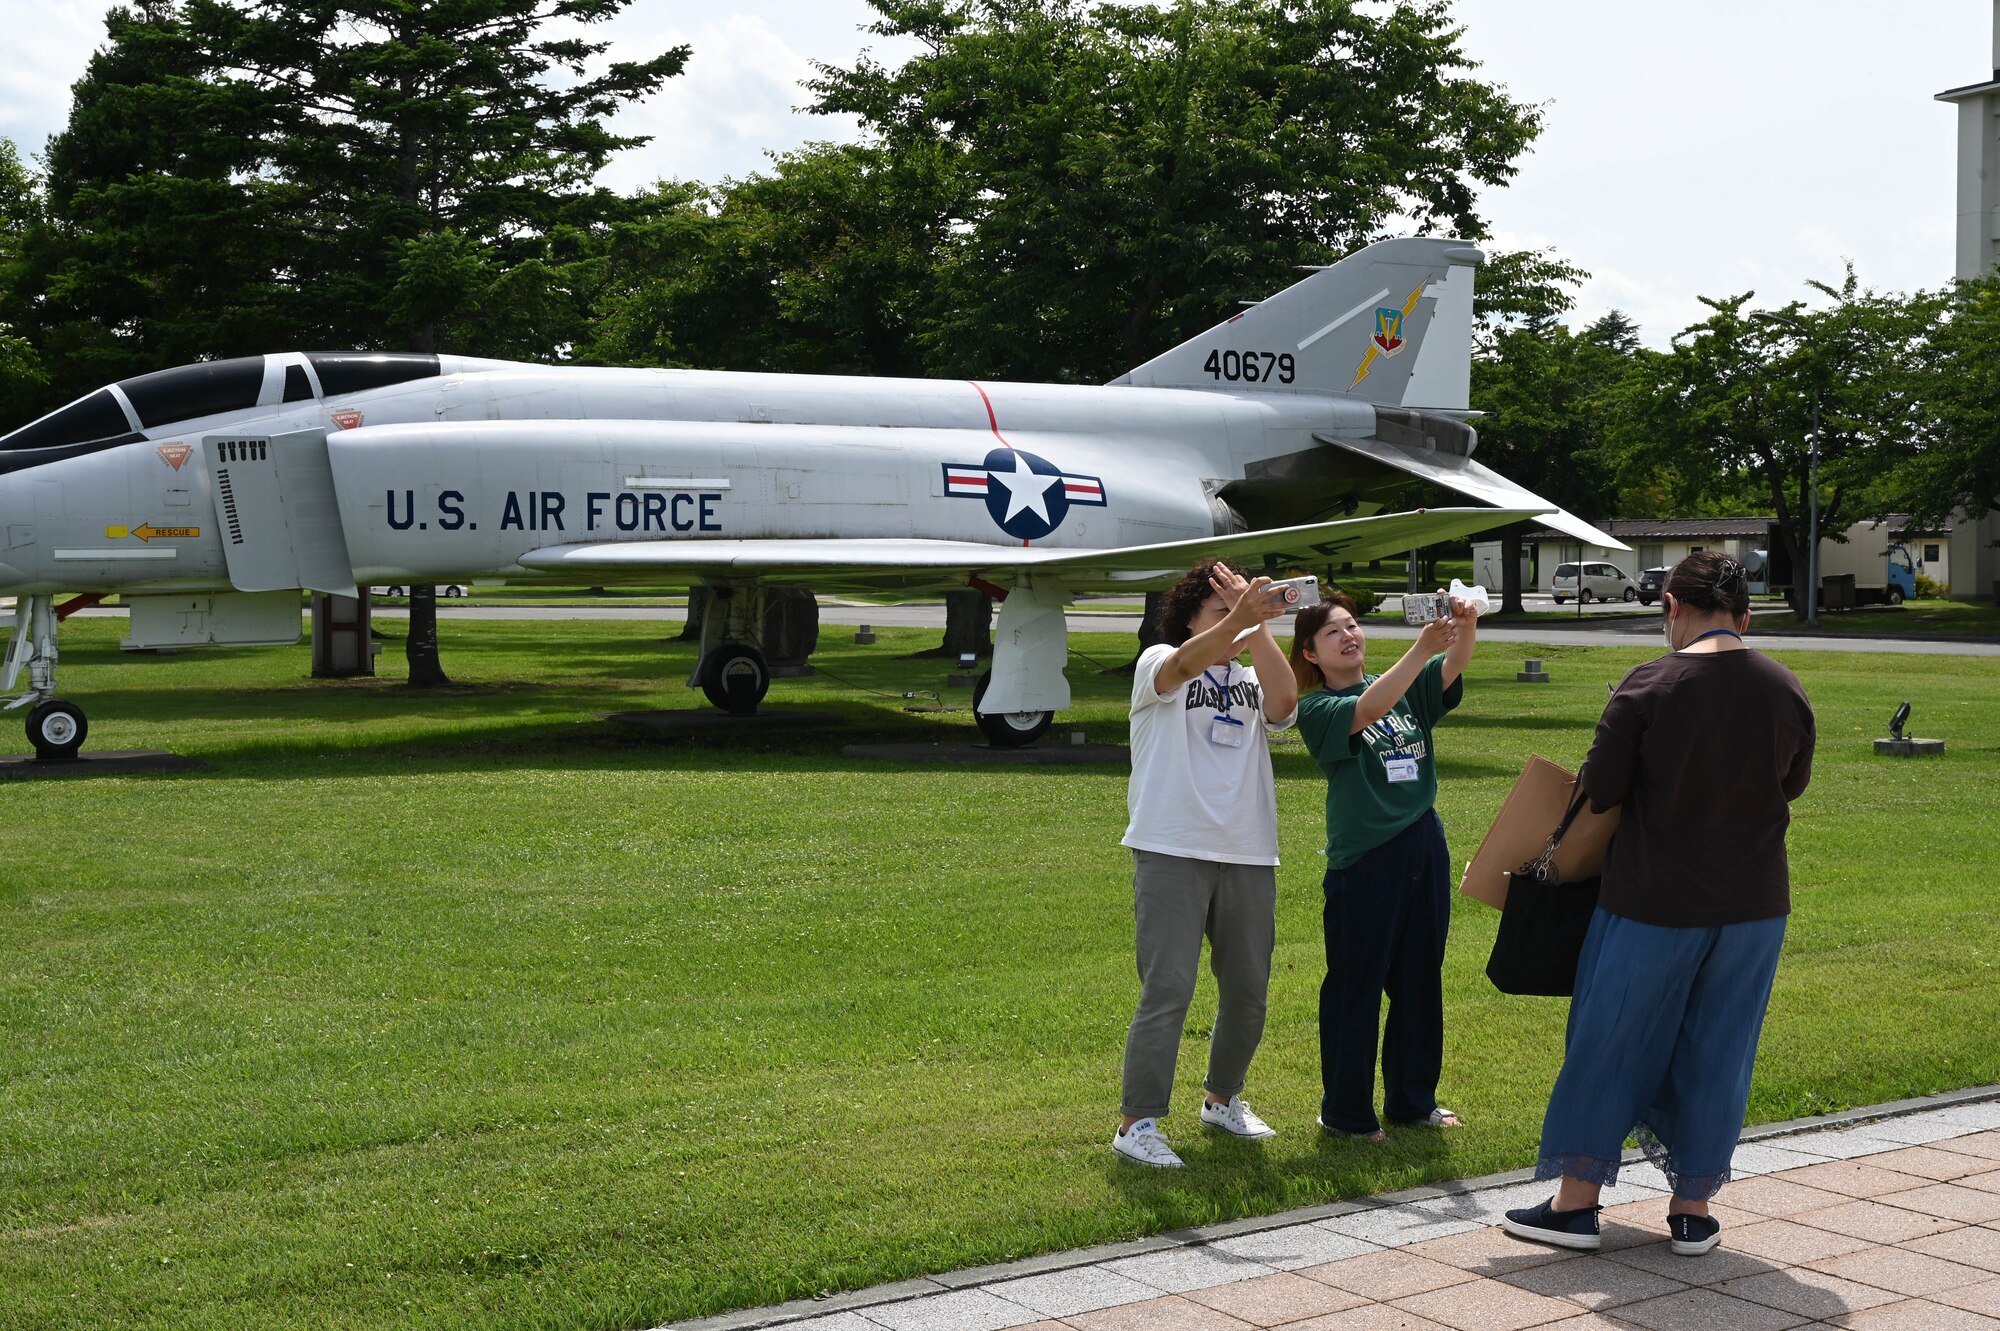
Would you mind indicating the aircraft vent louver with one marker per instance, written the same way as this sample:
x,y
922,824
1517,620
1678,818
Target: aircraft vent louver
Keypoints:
x,y
229,505
244,450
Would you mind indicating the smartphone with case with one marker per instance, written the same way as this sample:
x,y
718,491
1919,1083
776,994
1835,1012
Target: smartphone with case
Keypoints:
x,y
1423,607
1294,593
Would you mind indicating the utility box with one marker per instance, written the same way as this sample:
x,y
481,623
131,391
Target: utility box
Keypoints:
x,y
240,619
343,641
1837,592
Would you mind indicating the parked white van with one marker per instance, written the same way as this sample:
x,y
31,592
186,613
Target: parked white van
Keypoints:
x,y
1600,582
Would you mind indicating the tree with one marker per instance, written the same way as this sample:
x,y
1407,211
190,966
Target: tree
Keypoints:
x,y
1727,412
156,246
1525,289
1955,464
1117,177
436,155
1546,391
823,265
434,159
21,368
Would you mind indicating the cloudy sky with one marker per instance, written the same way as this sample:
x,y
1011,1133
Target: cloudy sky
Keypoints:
x,y
1692,146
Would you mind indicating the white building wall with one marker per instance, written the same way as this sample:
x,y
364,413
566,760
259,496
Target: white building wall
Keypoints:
x,y
1975,570
1487,564
1629,561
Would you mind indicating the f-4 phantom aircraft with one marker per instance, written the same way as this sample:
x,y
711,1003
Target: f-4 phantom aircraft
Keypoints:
x,y
208,496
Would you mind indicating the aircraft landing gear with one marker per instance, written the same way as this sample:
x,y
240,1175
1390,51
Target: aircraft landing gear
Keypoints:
x,y
1008,730
732,670
736,677
1026,682
55,728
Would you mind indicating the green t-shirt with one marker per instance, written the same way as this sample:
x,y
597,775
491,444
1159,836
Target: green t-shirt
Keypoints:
x,y
1364,807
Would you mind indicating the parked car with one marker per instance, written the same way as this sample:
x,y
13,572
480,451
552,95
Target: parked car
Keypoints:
x,y
1602,582
1652,582
444,589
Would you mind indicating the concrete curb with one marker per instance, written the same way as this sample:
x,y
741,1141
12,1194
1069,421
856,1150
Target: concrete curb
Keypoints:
x,y
754,1319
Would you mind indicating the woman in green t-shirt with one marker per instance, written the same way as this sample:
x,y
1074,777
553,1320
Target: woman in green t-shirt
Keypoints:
x,y
1388,892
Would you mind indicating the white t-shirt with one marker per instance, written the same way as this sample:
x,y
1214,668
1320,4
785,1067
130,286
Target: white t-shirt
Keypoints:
x,y
1191,796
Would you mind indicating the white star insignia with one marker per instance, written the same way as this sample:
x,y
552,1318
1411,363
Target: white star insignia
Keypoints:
x,y
1026,489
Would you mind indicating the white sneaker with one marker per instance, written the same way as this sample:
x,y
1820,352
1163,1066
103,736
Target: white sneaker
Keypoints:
x,y
1142,1142
1235,1117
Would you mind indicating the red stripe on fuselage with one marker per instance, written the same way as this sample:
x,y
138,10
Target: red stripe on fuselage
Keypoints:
x,y
991,419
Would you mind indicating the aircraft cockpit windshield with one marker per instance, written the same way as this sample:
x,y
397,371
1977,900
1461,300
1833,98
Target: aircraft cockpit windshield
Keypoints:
x,y
97,417
357,371
189,392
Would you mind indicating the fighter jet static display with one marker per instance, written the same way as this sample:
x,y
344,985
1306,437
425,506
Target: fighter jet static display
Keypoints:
x,y
208,496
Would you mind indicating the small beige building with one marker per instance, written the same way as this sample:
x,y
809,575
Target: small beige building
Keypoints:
x,y
1655,544
1664,543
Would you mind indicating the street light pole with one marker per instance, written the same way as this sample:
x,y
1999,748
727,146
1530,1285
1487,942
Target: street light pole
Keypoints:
x,y
1812,506
1812,466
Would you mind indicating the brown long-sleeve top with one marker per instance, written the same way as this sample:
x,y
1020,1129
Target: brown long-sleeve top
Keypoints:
x,y
1706,751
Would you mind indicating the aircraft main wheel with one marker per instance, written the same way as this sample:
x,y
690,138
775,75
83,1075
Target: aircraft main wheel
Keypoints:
x,y
1008,730
1631,593
56,729
737,678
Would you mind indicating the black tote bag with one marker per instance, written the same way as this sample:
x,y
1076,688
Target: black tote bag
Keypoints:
x,y
1543,923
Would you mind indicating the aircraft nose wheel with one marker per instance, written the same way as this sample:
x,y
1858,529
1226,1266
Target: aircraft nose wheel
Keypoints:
x,y
56,729
737,678
1008,730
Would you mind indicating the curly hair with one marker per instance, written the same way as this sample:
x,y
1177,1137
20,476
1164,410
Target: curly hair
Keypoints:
x,y
1178,608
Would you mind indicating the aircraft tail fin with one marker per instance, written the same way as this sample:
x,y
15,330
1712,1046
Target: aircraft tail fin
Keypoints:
x,y
1391,323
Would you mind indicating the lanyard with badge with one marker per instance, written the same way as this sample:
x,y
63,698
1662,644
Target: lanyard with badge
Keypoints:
x,y
1225,729
1399,764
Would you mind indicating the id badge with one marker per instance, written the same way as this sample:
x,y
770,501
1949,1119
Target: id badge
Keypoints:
x,y
1401,769
1226,731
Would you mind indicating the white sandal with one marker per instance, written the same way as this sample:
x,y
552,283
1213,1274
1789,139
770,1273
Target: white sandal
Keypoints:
x,y
1439,1116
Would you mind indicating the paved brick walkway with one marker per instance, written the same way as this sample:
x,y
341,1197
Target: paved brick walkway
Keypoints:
x,y
1891,1224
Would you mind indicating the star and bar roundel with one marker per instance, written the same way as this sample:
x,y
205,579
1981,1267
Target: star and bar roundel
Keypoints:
x,y
1026,495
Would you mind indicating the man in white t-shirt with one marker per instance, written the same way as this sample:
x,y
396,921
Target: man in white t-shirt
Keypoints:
x,y
1204,840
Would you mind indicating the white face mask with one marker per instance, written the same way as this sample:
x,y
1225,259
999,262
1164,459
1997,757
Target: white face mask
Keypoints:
x,y
1667,631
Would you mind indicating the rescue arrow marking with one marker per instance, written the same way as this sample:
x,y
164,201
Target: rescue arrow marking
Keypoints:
x,y
146,531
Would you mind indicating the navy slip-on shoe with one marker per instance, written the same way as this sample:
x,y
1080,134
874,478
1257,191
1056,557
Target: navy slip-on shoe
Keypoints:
x,y
1565,1229
1693,1235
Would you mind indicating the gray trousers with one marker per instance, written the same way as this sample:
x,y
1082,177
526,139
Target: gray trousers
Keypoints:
x,y
1176,902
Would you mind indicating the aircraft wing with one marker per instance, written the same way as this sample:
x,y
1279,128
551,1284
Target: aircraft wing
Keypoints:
x,y
905,562
1469,478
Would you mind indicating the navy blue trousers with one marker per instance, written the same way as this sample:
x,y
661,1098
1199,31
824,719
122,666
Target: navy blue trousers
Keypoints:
x,y
1386,919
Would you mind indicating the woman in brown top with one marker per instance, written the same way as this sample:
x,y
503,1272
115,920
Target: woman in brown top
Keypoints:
x,y
1705,748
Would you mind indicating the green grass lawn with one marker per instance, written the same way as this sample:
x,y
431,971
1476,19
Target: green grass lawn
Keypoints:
x,y
468,1009
1936,618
